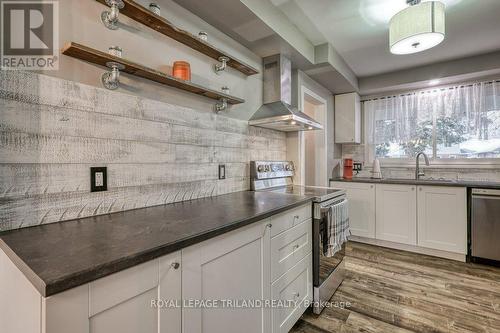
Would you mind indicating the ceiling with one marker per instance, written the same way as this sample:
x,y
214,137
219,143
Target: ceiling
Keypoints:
x,y
359,31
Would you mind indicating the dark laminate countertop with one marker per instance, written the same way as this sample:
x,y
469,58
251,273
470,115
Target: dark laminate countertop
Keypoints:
x,y
433,182
59,256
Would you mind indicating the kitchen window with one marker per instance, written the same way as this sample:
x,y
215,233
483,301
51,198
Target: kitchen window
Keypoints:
x,y
459,123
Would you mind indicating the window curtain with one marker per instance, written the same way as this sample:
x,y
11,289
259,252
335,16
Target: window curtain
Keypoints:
x,y
402,118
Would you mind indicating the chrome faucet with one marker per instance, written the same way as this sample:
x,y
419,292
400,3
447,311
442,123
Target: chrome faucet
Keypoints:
x,y
419,173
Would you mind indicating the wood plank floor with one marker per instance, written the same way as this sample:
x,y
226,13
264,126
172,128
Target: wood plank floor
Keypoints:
x,y
393,291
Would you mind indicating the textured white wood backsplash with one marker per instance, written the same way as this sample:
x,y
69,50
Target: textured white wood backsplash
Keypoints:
x,y
52,131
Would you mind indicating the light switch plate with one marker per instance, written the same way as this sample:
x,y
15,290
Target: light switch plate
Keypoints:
x,y
98,179
222,171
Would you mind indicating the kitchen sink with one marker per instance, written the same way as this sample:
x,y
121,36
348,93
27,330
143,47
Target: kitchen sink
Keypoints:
x,y
440,180
423,180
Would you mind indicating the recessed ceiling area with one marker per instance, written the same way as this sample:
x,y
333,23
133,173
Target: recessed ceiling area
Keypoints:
x,y
344,44
359,31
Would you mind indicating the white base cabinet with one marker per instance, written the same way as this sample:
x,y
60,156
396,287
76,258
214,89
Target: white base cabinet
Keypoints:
x,y
202,293
428,217
396,213
294,291
121,302
442,218
361,207
234,266
269,260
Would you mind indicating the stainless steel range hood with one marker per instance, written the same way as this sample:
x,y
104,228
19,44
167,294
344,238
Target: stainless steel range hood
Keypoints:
x,y
277,112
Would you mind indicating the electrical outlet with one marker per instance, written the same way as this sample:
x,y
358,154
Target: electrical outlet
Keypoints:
x,y
222,171
98,179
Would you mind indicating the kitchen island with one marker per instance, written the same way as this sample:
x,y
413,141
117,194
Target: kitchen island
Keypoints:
x,y
60,256
101,274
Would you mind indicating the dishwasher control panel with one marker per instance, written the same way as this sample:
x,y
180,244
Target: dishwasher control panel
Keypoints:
x,y
484,191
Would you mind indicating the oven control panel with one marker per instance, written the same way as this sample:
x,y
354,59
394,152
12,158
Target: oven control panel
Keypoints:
x,y
271,169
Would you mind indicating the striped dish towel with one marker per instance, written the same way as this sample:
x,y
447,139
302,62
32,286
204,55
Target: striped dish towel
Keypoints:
x,y
338,230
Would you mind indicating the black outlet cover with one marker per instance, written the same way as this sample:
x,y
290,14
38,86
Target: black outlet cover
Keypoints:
x,y
95,174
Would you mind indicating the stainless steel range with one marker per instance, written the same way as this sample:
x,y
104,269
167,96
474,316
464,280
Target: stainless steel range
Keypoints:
x,y
328,272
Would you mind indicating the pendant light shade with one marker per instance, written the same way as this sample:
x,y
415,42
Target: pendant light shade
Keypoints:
x,y
417,28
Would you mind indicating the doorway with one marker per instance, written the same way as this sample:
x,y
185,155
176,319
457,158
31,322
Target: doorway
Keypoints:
x,y
309,148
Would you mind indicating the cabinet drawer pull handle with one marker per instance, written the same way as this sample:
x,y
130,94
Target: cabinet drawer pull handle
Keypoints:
x,y
175,265
296,217
269,225
296,246
296,295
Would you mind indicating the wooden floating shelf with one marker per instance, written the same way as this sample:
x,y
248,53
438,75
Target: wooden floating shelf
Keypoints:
x,y
82,52
141,14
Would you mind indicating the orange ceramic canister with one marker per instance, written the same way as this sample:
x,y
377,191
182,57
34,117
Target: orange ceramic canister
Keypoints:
x,y
182,70
348,163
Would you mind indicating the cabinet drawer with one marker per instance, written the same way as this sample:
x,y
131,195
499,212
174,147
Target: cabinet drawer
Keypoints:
x,y
290,218
289,247
119,287
294,287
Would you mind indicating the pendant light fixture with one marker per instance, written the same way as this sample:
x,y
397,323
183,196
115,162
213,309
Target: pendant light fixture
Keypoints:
x,y
417,28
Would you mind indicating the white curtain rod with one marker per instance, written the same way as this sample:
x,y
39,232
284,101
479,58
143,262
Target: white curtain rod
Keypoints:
x,y
421,91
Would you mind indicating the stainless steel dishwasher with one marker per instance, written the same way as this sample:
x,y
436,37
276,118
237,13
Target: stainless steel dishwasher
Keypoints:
x,y
485,224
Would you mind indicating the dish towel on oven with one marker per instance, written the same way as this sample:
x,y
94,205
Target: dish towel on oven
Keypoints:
x,y
338,230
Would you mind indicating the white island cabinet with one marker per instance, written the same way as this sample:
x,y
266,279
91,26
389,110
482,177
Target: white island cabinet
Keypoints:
x,y
266,260
121,302
231,267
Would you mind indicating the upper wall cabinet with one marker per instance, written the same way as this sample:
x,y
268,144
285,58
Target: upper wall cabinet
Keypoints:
x,y
347,118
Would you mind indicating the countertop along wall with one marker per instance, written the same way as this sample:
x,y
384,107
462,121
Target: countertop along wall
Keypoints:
x,y
160,144
472,172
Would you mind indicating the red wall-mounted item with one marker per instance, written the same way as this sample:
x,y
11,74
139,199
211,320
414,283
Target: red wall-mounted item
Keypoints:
x,y
182,70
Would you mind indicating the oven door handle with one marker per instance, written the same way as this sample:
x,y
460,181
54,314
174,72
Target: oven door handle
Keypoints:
x,y
327,207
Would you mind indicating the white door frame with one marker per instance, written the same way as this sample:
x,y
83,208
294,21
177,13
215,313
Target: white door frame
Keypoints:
x,y
300,163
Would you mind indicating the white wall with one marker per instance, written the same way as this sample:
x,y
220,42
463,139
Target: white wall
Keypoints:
x,y
160,144
52,131
80,22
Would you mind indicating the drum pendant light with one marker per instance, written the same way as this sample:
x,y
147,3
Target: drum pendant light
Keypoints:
x,y
417,28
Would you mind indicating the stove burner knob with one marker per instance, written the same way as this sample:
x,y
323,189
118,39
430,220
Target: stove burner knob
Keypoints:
x,y
288,167
268,168
260,168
